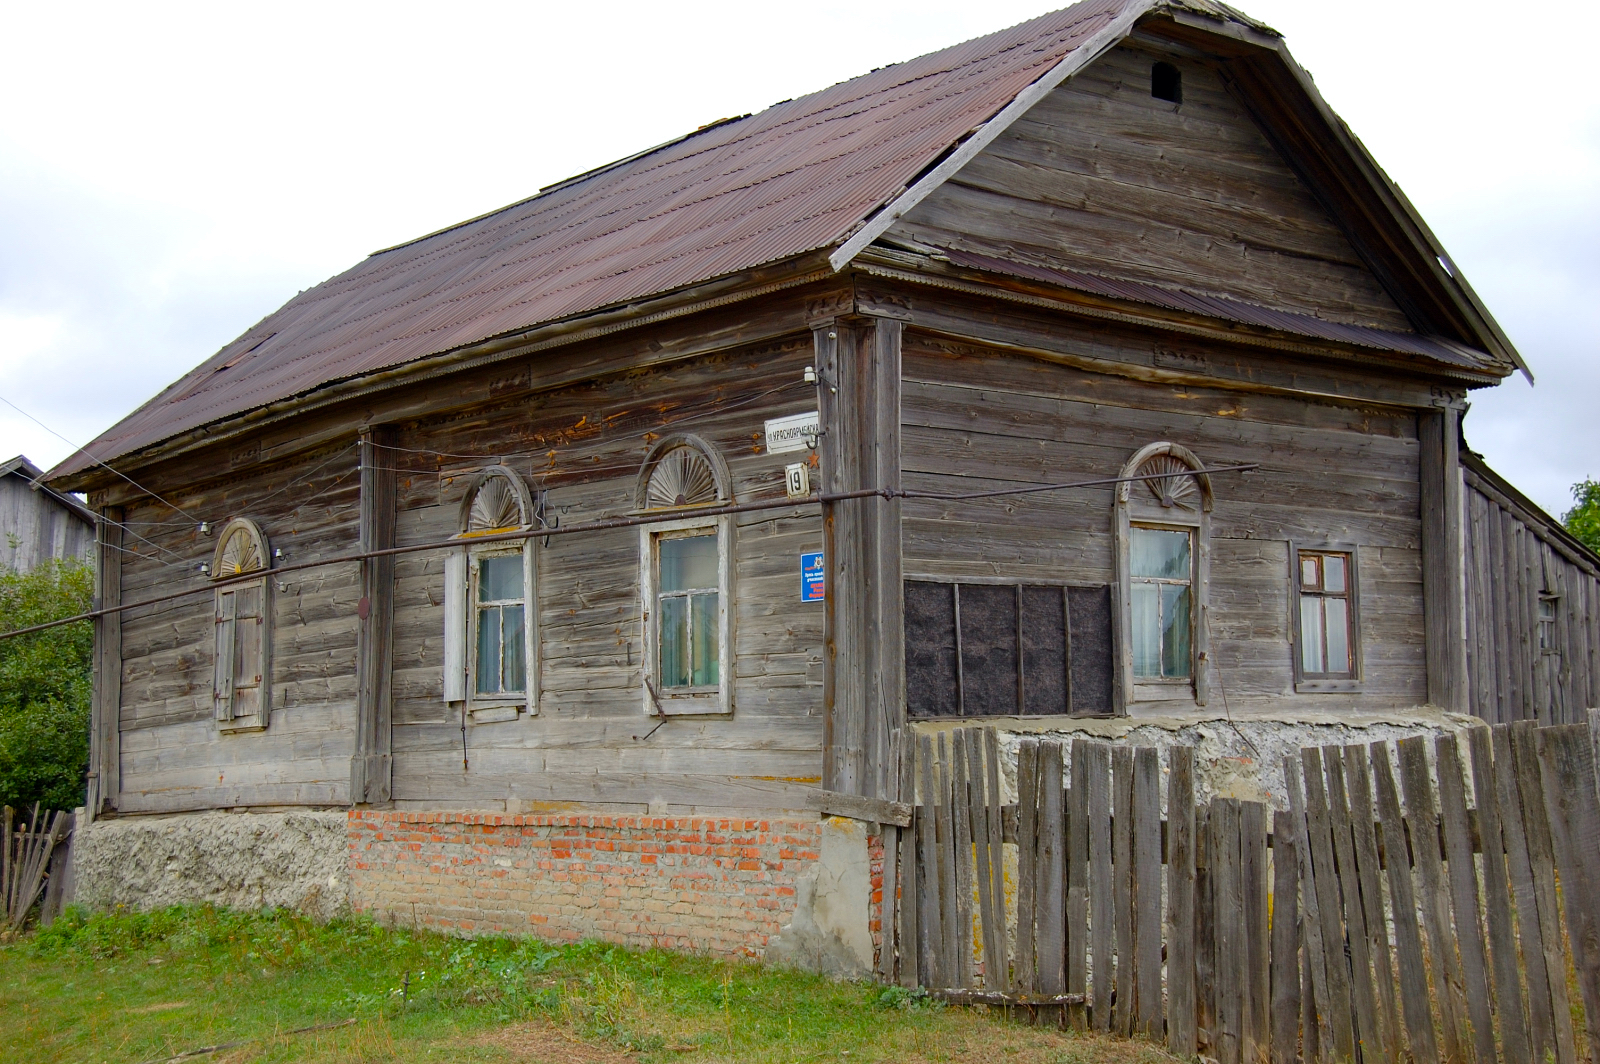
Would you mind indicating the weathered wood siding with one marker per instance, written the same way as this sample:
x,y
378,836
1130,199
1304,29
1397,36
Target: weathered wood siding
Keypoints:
x,y
1513,559
35,528
172,754
977,417
584,446
1102,177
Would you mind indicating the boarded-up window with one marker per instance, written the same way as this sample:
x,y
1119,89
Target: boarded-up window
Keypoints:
x,y
240,655
977,650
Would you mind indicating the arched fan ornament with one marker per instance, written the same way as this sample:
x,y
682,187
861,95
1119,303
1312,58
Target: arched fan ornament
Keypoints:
x,y
683,477
239,553
1176,486
495,507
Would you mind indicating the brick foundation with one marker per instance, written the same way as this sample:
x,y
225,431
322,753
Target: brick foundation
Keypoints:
x,y
721,886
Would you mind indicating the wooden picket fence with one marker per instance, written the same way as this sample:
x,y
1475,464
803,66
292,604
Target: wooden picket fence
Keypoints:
x,y
27,845
1233,931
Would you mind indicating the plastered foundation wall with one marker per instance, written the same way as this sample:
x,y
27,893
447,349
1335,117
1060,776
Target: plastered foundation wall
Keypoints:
x,y
717,885
236,860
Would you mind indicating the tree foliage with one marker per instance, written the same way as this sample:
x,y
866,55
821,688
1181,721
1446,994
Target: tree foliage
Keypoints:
x,y
1583,520
45,686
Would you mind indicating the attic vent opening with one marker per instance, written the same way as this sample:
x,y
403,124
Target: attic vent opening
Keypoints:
x,y
1166,83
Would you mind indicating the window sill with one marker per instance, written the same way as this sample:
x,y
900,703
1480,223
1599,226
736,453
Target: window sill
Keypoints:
x,y
700,702
241,726
1308,687
493,712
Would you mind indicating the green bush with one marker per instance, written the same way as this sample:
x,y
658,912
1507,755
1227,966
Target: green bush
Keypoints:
x,y
45,686
1583,520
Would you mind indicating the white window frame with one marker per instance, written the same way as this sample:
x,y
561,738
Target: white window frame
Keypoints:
x,y
1192,583
1133,505
461,613
702,701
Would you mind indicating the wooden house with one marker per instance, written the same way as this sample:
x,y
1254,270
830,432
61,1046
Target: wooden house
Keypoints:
x,y
508,522
36,524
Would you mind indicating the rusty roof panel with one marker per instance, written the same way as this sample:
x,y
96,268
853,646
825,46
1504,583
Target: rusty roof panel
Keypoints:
x,y
797,177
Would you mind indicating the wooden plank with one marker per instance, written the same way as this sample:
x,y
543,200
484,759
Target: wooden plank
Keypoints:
x,y
1077,963
1050,898
910,881
1407,935
1499,617
1285,975
1443,608
979,804
1363,992
1541,859
1519,872
966,878
1325,880
871,810
1501,921
930,932
1311,1037
1181,1038
1463,875
371,768
1150,1018
888,895
1205,931
1573,810
1432,894
1127,987
1228,1041
1097,762
1026,974
1258,954
1318,1007
1358,789
105,762
997,859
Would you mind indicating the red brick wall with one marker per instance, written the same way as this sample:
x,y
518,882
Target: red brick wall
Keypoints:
x,y
691,883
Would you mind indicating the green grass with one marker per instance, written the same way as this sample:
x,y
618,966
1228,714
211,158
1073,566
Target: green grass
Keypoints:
x,y
134,987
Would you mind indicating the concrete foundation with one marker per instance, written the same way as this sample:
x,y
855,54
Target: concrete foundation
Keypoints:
x,y
237,860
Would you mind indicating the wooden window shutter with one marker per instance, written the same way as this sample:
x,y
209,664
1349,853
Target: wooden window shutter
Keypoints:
x,y
455,626
226,639
249,630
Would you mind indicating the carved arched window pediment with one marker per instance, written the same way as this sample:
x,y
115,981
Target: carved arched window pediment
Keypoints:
x,y
1173,485
241,549
497,501
682,471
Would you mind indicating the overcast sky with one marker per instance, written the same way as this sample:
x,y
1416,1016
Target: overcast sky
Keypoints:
x,y
171,173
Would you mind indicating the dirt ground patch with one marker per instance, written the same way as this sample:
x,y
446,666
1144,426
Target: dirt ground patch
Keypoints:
x,y
539,1042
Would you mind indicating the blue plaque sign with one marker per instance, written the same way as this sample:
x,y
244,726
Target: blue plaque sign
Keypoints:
x,y
813,586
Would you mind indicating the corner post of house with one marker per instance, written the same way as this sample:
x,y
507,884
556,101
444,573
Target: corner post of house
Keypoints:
x,y
105,733
370,768
885,585
1443,585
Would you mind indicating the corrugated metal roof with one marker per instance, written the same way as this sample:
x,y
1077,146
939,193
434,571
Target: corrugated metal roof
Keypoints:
x,y
797,177
1434,347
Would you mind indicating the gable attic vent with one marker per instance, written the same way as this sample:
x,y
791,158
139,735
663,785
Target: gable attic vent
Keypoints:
x,y
1166,83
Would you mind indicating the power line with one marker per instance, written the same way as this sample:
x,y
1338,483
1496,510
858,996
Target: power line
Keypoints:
x,y
611,523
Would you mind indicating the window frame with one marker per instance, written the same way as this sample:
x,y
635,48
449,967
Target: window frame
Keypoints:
x,y
1192,531
224,614
690,701
461,574
1133,505
1315,683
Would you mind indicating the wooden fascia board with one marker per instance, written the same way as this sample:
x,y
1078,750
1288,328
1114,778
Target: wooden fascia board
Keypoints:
x,y
752,284
1285,101
1484,479
1082,304
1098,44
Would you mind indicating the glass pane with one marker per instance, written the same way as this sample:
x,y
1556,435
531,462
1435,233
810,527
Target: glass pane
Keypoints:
x,y
1158,552
688,563
1336,610
675,642
1146,631
1308,570
703,610
500,578
1333,571
514,650
489,650
1547,609
1311,633
1176,622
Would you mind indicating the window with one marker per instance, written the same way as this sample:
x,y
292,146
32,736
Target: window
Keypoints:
x,y
491,643
1007,649
1163,524
242,685
1161,596
686,579
1325,616
1166,83
1547,623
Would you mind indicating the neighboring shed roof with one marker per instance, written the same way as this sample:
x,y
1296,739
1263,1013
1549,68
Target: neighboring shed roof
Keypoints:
x,y
801,176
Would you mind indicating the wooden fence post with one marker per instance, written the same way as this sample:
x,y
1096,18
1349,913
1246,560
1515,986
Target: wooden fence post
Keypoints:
x,y
1180,900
